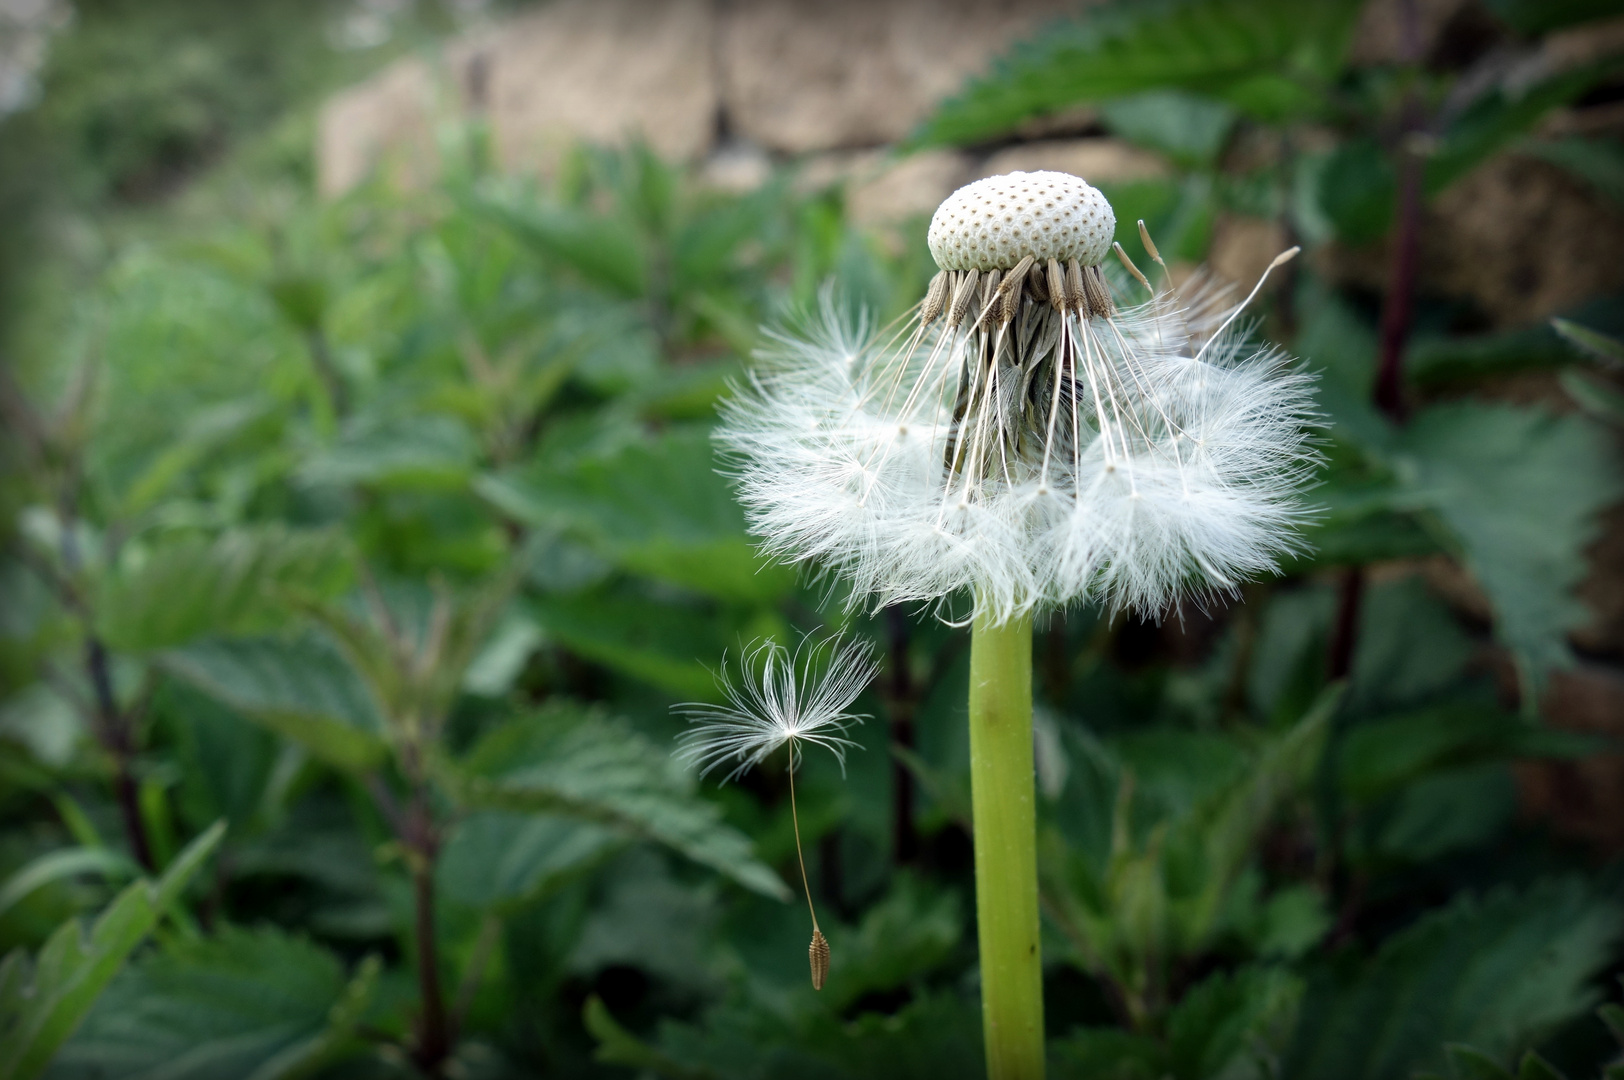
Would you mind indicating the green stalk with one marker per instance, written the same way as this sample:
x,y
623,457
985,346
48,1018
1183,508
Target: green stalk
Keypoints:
x,y
1001,789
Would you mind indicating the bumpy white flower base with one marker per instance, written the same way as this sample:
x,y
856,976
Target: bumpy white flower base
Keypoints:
x,y
996,222
1114,457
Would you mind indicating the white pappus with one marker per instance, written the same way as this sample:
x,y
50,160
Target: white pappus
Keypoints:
x,y
1021,440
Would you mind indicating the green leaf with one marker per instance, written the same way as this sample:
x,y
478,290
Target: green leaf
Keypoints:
x,y
240,1005
1358,184
1272,57
903,938
1534,1067
617,1046
64,863
1534,17
583,765
1495,120
194,585
422,452
1469,1064
1379,756
653,507
1521,490
505,859
1591,342
605,250
1496,973
674,646
1188,128
42,1002
1598,162
1231,1017
302,689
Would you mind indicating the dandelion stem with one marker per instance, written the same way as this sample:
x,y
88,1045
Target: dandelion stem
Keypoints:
x,y
1002,794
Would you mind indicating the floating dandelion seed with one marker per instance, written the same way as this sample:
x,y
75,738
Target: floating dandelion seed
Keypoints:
x,y
782,699
1021,439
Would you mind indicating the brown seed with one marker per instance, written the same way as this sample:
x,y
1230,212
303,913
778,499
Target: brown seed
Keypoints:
x,y
1057,285
935,297
1097,292
818,953
962,295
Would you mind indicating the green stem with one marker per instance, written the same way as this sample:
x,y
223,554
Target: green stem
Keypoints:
x,y
1001,789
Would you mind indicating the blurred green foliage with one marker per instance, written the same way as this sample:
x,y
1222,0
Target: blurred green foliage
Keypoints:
x,y
387,530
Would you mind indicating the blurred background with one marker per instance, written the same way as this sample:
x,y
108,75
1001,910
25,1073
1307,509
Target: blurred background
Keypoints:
x,y
361,525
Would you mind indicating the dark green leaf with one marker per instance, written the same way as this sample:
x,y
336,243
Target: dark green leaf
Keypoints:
x,y
1271,56
303,689
604,250
1533,17
64,863
1598,162
1233,1022
1496,973
1188,128
675,646
43,1001
503,858
1591,342
1379,756
255,1004
585,766
1521,489
428,451
192,586
1469,1064
656,508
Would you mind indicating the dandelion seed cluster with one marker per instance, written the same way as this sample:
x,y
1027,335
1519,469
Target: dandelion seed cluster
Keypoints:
x,y
1022,441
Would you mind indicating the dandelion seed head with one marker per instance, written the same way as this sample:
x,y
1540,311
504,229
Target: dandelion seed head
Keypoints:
x,y
1021,440
778,697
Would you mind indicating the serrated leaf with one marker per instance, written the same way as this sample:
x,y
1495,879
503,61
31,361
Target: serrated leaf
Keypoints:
x,y
617,1046
604,250
424,451
583,765
303,689
1469,1064
1188,128
1495,973
1613,1016
240,1005
1534,1067
64,863
41,1003
1379,756
1269,56
1231,1017
499,859
1521,489
674,646
1591,342
195,585
655,508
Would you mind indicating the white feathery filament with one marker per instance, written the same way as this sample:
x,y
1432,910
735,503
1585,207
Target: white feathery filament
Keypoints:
x,y
1023,441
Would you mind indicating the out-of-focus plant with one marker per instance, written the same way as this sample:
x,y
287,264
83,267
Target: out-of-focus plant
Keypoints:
x,y
396,527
